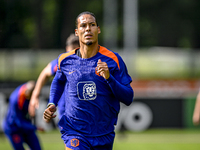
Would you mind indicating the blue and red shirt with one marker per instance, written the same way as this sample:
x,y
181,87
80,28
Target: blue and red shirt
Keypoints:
x,y
54,64
17,117
93,103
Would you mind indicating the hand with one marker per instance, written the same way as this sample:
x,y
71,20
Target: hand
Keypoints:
x,y
33,104
102,69
49,113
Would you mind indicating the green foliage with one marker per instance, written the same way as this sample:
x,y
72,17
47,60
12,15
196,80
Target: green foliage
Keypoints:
x,y
47,23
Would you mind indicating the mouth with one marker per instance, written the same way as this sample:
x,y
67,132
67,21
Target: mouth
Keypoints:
x,y
88,36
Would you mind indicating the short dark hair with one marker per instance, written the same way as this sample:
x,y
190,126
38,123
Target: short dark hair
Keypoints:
x,y
83,13
72,40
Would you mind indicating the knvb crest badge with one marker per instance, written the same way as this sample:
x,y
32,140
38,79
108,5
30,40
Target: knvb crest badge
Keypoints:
x,y
87,90
74,142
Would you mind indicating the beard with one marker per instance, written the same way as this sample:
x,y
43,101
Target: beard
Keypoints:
x,y
89,43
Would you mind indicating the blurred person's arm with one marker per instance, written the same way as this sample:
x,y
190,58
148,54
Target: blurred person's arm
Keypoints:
x,y
196,115
42,79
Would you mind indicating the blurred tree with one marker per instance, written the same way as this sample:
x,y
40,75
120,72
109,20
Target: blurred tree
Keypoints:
x,y
169,23
47,23
11,26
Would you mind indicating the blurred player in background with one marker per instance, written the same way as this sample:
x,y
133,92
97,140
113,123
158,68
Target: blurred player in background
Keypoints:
x,y
17,124
72,42
97,81
196,115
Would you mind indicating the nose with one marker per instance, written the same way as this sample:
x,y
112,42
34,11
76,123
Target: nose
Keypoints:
x,y
88,27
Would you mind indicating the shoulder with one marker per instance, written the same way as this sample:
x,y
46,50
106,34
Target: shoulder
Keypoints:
x,y
18,94
18,90
54,61
53,65
65,55
113,55
21,97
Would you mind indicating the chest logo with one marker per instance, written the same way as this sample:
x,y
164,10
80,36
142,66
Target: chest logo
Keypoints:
x,y
72,72
87,90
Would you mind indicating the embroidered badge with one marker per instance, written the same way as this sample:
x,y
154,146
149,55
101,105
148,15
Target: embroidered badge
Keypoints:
x,y
87,90
74,142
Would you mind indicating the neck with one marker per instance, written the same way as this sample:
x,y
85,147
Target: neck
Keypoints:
x,y
89,51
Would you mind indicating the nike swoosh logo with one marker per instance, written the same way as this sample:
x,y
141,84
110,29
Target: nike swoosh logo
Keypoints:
x,y
72,72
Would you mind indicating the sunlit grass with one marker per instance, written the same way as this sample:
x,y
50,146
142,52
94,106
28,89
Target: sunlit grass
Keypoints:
x,y
152,139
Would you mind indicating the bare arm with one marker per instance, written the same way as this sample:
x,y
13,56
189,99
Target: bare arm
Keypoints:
x,y
196,115
42,79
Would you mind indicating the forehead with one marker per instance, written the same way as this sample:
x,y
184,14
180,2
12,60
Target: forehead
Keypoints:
x,y
86,18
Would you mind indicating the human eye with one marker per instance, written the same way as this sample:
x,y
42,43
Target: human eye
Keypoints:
x,y
93,24
83,25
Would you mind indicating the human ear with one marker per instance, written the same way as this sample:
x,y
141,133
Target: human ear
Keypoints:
x,y
99,30
76,32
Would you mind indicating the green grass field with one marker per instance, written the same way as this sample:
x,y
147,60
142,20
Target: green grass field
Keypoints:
x,y
152,139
